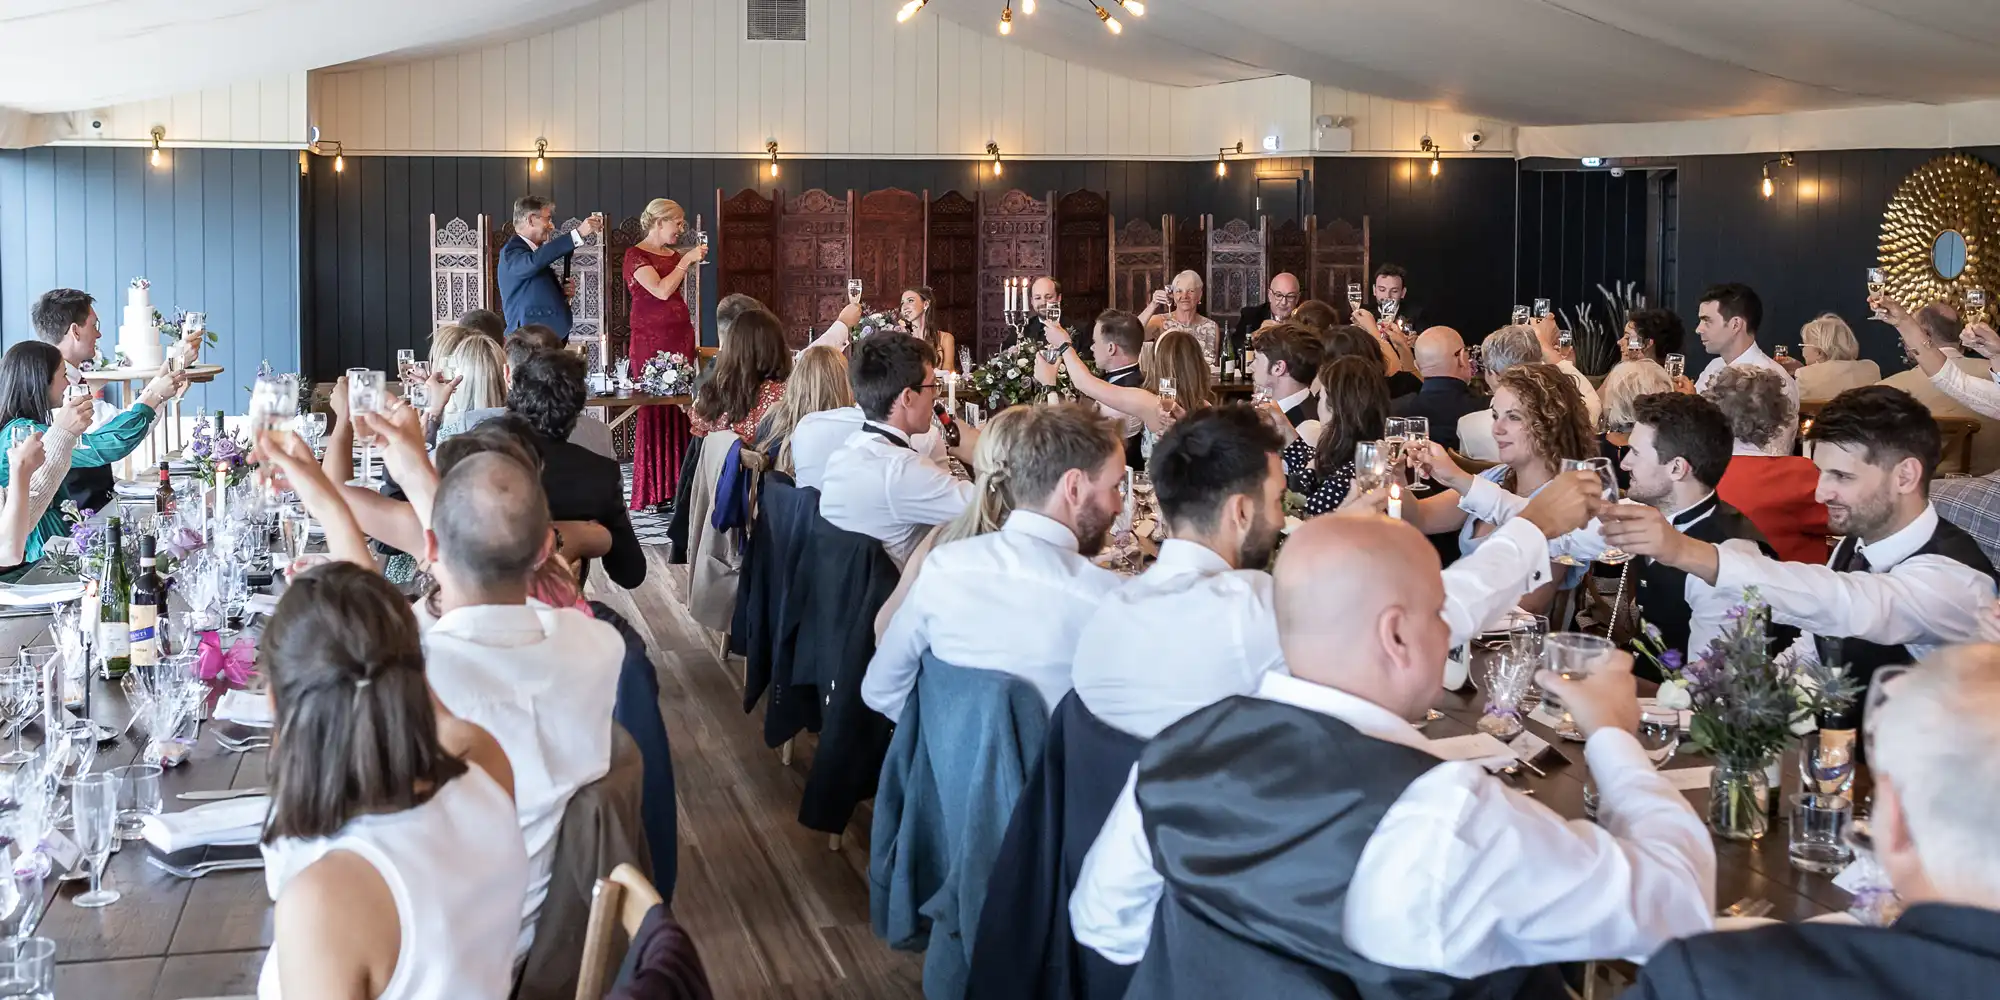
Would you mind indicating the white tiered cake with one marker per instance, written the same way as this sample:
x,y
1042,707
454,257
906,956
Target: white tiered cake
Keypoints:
x,y
138,337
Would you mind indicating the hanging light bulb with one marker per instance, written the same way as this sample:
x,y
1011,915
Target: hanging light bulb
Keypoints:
x,y
541,155
1221,166
159,133
1133,7
993,150
1109,21
910,10
1007,20
339,163
1434,164
1027,6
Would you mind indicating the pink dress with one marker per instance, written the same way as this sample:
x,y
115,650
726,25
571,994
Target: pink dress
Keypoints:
x,y
660,443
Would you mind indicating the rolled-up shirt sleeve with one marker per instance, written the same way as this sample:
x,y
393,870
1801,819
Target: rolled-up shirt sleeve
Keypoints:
x,y
1981,396
1925,599
1512,561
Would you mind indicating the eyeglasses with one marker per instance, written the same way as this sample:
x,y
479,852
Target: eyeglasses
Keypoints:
x,y
923,385
1284,296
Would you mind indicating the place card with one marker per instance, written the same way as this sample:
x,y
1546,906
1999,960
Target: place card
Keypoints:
x,y
1482,747
1688,779
62,850
1687,715
1546,716
1527,746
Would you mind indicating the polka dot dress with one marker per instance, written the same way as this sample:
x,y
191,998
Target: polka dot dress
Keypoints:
x,y
1323,493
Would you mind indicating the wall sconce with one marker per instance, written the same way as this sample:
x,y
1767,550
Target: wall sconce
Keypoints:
x,y
318,147
159,133
1434,149
541,155
993,150
1783,160
1110,22
1222,158
771,147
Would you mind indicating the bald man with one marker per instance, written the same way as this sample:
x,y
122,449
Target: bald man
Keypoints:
x,y
1282,297
1446,394
1306,835
542,680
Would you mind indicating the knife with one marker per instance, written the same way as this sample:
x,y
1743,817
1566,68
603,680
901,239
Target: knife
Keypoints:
x,y
223,793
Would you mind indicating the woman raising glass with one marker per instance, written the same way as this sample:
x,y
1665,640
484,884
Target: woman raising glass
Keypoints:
x,y
1353,407
1182,301
915,310
655,275
1177,382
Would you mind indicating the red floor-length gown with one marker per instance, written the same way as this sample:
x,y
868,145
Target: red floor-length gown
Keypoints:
x,y
658,325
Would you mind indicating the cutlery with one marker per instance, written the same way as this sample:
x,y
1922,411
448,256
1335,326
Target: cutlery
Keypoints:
x,y
1749,907
243,745
206,867
222,793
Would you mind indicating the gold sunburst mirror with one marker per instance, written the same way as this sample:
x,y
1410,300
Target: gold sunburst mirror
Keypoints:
x,y
1941,233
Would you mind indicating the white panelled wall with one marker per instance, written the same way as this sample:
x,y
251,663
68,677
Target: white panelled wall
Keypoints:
x,y
270,111
676,77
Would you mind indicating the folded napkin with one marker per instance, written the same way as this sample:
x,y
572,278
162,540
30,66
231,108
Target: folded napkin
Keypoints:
x,y
232,822
37,595
245,709
125,489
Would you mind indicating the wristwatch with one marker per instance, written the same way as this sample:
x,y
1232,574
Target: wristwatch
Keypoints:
x,y
559,538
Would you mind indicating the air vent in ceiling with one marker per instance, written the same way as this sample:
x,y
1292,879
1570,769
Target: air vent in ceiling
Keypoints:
x,y
775,20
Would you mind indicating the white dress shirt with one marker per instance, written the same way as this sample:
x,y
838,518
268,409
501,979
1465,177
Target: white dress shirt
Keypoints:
x,y
1921,601
1593,406
1475,436
1295,399
542,681
1186,633
877,484
1463,875
1754,357
1012,600
1511,561
818,435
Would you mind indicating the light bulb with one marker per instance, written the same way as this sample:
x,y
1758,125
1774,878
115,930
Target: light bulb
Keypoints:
x,y
909,10
1109,21
1133,7
1221,167
538,164
774,168
1434,166
1027,6
996,166
156,156
1006,20
339,163
1769,188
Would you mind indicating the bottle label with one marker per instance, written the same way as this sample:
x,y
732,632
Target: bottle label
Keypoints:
x,y
114,640
143,635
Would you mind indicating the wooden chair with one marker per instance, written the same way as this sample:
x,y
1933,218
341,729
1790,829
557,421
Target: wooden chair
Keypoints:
x,y
617,908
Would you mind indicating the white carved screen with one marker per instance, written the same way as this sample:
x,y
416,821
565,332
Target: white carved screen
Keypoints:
x,y
586,275
460,269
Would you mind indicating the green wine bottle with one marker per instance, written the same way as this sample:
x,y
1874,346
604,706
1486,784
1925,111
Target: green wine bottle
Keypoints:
x,y
114,619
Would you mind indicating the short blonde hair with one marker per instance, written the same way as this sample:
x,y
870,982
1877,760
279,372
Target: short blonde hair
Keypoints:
x,y
1190,275
658,209
1833,337
1627,381
445,340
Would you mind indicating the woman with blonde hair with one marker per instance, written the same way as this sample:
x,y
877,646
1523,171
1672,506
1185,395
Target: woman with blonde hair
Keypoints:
x,y
1832,357
655,277
993,501
818,383
1627,381
478,387
1181,300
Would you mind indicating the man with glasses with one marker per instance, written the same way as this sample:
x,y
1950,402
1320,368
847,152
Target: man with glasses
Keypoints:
x,y
1283,297
877,484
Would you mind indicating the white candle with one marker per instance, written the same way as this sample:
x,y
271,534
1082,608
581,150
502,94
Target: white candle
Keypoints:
x,y
1396,500
951,392
1007,303
221,495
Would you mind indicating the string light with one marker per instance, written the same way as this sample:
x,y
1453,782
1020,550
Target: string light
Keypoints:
x,y
993,150
541,155
1109,21
910,10
771,147
1007,19
1133,7
159,133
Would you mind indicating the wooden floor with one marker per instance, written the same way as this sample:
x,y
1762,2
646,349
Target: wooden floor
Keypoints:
x,y
774,912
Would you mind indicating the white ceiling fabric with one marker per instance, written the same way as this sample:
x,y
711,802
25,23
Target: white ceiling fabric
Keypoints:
x,y
1533,62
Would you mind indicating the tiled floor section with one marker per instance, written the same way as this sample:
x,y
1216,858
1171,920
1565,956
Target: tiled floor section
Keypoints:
x,y
774,912
650,524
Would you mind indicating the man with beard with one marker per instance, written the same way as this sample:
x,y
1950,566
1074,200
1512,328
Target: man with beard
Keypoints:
x,y
1198,625
1902,582
1014,600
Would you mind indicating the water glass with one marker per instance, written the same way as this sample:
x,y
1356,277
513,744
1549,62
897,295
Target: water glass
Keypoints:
x,y
1819,832
21,898
20,699
1659,732
28,969
1574,656
138,797
94,801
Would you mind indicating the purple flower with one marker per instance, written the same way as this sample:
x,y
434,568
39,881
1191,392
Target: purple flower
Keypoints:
x,y
225,450
183,542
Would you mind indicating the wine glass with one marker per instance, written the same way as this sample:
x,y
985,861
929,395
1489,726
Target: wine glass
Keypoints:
x,y
28,968
1601,467
313,426
1541,309
1394,443
1390,307
1167,390
94,801
1520,316
1877,282
1371,466
1676,365
701,239
20,698
1354,298
1416,434
296,525
364,397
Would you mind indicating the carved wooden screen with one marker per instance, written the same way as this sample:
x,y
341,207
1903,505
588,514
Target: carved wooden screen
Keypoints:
x,y
694,283
1016,231
461,273
1138,264
590,287
618,311
953,227
814,234
746,246
1187,245
1291,252
889,229
1236,262
1083,256
497,234
1339,258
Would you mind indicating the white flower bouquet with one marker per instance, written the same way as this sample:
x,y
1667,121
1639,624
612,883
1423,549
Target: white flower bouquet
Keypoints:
x,y
668,375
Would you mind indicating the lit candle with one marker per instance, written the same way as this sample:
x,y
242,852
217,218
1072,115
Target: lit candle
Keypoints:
x,y
1396,500
951,392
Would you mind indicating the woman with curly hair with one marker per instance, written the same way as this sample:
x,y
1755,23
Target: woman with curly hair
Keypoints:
x,y
1539,420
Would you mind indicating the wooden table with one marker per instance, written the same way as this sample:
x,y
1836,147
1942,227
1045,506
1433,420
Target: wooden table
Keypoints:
x,y
628,403
165,438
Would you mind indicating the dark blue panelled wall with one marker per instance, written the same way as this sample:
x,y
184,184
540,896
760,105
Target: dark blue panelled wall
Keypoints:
x,y
213,229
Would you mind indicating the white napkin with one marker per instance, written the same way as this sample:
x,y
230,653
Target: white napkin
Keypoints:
x,y
1481,748
262,604
125,489
37,595
245,709
229,822
1688,779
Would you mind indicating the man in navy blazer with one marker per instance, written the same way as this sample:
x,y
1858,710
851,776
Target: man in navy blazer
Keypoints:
x,y
530,291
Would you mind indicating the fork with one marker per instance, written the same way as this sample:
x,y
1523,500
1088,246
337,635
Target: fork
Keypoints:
x,y
205,867
243,745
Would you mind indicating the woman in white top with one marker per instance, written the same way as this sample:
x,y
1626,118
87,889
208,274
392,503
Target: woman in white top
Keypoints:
x,y
392,849
1182,302
1831,354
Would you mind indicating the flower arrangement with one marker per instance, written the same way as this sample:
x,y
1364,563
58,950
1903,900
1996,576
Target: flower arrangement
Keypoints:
x,y
1008,378
211,453
89,539
668,375
877,322
172,326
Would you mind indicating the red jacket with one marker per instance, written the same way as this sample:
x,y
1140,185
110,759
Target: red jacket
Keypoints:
x,y
1776,493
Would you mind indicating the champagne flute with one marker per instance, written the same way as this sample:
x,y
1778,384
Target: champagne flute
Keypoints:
x,y
296,524
1877,282
94,801
1394,441
1354,298
1676,365
1581,465
404,358
1371,466
1521,316
1541,308
1417,433
364,397
1167,390
417,390
701,239
1601,466
20,698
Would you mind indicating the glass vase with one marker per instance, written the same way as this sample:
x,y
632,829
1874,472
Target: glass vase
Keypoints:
x,y
1737,792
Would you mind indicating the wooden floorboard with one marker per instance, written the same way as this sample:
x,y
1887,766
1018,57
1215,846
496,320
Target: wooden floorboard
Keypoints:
x,y
774,912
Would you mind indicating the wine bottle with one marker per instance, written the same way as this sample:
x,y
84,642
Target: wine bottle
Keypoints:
x,y
163,498
1831,767
147,596
114,616
945,421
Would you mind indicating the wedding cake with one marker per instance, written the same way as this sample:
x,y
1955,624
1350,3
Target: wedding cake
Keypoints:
x,y
138,336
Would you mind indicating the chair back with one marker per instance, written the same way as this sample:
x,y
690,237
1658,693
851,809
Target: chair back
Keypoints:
x,y
618,906
843,579
602,828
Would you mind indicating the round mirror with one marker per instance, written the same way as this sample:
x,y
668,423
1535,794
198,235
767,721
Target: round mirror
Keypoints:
x,y
1948,254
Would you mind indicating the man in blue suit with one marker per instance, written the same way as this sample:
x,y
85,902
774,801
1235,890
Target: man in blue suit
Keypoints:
x,y
530,291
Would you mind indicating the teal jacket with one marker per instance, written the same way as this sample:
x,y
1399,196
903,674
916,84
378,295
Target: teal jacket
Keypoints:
x,y
103,446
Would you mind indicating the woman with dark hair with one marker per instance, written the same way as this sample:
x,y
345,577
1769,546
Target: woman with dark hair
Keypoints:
x,y
1316,316
1353,407
32,383
750,372
1651,333
915,309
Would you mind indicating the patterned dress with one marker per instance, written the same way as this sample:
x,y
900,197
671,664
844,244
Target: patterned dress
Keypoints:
x,y
1323,493
746,428
660,442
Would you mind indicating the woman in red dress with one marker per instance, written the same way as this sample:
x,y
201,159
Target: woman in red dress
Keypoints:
x,y
654,275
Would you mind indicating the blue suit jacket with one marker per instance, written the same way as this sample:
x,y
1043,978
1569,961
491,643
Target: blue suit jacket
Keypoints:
x,y
530,292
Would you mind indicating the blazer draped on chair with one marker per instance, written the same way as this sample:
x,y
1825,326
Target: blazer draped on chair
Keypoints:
x,y
764,600
843,579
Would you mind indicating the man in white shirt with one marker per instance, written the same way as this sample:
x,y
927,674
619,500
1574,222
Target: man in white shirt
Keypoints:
x,y
1902,582
1932,337
877,484
1730,315
1015,599
1287,362
541,680
1460,875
